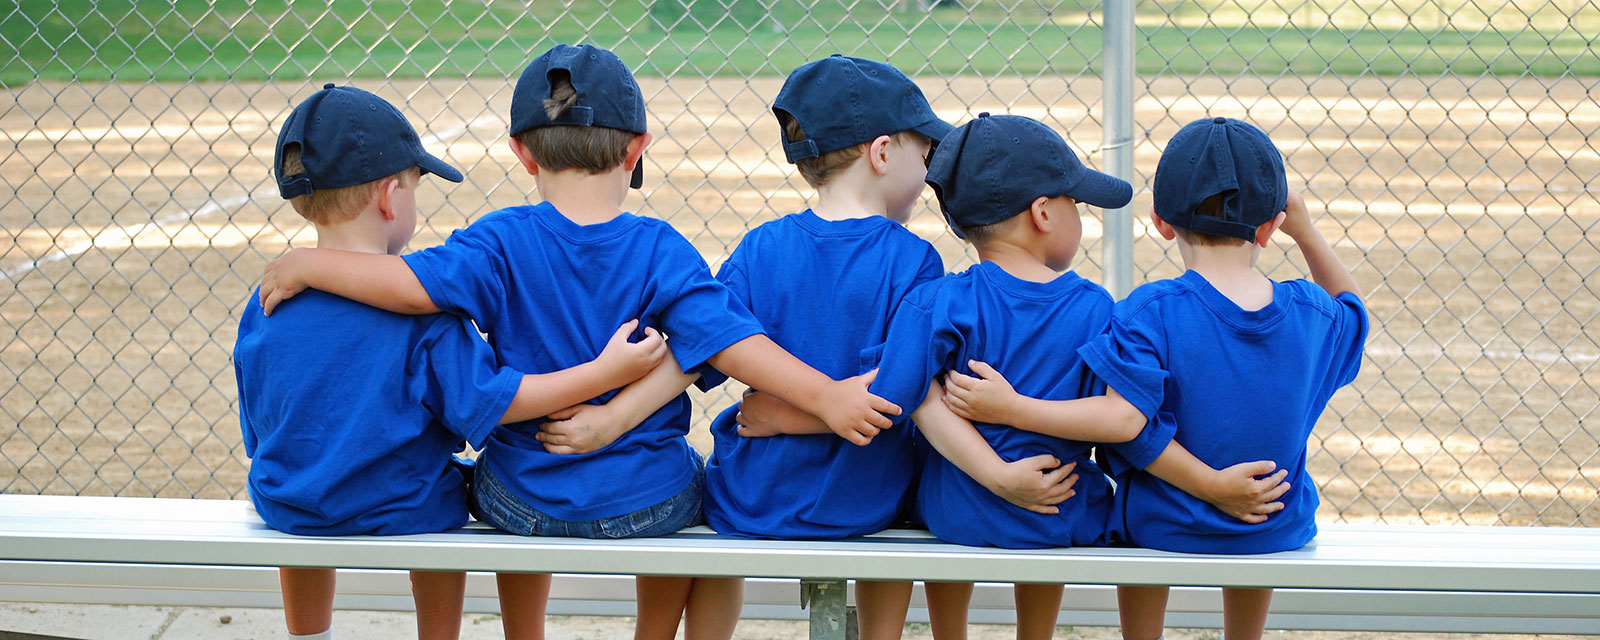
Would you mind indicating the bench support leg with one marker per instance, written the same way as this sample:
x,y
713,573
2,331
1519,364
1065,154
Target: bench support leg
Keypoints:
x,y
830,618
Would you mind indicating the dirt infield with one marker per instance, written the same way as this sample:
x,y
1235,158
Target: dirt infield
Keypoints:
x,y
140,218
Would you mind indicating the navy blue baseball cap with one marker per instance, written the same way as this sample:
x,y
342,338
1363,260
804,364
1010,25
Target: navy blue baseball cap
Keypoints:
x,y
608,96
1220,156
994,167
349,137
841,102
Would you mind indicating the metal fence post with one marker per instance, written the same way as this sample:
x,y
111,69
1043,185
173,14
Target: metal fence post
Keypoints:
x,y
1117,142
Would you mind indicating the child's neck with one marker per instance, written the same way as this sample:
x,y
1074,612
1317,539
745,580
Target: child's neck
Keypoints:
x,y
354,235
851,194
1019,260
584,198
1231,270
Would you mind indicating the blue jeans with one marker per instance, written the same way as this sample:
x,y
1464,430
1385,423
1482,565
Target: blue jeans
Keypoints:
x,y
493,503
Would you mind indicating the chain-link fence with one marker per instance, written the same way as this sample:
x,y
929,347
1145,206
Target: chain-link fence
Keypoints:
x,y
1453,145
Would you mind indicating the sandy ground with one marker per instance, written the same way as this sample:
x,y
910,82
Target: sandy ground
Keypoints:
x,y
138,218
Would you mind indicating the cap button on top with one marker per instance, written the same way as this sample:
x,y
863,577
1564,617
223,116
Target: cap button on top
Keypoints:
x,y
1220,120
328,86
984,114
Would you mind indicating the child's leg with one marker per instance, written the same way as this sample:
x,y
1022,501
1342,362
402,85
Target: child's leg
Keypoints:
x,y
307,599
523,597
661,601
881,608
1038,606
948,603
1244,613
438,595
713,609
1143,611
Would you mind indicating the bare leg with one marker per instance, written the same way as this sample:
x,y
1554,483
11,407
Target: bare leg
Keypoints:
x,y
1038,606
881,608
1244,613
307,599
523,597
713,609
661,604
1143,611
948,603
438,595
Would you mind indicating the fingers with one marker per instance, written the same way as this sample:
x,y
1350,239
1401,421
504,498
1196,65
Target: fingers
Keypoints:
x,y
877,422
1042,462
565,414
868,377
269,301
958,380
1258,468
984,370
625,330
1278,486
1041,509
885,407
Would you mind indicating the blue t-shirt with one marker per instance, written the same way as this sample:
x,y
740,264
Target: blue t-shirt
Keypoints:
x,y
1030,332
350,414
1239,386
549,293
824,290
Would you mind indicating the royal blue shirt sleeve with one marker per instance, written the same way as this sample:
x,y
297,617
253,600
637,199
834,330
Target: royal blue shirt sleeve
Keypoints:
x,y
919,346
932,269
466,275
1127,358
459,380
731,275
702,315
1350,324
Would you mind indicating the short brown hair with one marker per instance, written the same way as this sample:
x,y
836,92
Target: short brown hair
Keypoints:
x,y
340,204
821,170
558,148
982,233
1212,208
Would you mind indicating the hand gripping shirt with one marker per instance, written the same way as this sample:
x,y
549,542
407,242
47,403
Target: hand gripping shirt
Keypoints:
x,y
824,290
1231,386
1030,332
350,414
549,293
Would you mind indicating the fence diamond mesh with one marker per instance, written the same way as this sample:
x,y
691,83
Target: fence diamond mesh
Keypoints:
x,y
1451,143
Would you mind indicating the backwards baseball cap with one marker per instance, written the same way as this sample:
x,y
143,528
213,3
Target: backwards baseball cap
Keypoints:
x,y
841,102
349,137
1226,157
608,96
994,167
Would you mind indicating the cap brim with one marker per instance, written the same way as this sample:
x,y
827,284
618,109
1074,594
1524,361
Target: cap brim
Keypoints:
x,y
1101,190
935,129
435,166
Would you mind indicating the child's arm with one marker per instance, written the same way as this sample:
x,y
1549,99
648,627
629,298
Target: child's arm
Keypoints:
x,y
763,415
847,408
1244,491
1036,484
621,362
591,427
1107,418
1326,268
381,281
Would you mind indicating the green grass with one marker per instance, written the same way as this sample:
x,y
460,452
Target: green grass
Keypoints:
x,y
137,40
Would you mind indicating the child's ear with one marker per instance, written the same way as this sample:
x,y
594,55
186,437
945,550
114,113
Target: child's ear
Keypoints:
x,y
1038,215
878,154
385,197
1264,232
524,156
1161,226
636,148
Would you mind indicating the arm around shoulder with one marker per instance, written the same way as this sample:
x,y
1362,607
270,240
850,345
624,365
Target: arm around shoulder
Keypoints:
x,y
378,280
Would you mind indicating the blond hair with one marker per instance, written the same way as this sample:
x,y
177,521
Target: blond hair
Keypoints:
x,y
338,204
821,170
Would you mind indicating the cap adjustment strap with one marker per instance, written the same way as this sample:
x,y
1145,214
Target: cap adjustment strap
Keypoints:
x,y
800,150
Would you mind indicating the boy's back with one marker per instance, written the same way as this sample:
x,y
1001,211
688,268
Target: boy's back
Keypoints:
x,y
824,291
549,292
1032,331
1240,386
338,403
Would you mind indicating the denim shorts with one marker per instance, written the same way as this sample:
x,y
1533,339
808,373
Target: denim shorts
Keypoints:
x,y
490,501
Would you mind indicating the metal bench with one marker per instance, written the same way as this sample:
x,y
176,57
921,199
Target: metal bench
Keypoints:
x,y
1496,579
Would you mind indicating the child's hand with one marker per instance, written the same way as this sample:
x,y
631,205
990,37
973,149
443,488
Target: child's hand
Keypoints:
x,y
853,413
1036,484
579,429
1246,491
760,414
1297,220
984,399
282,279
624,362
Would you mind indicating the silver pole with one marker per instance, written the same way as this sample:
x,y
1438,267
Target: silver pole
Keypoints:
x,y
1117,101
